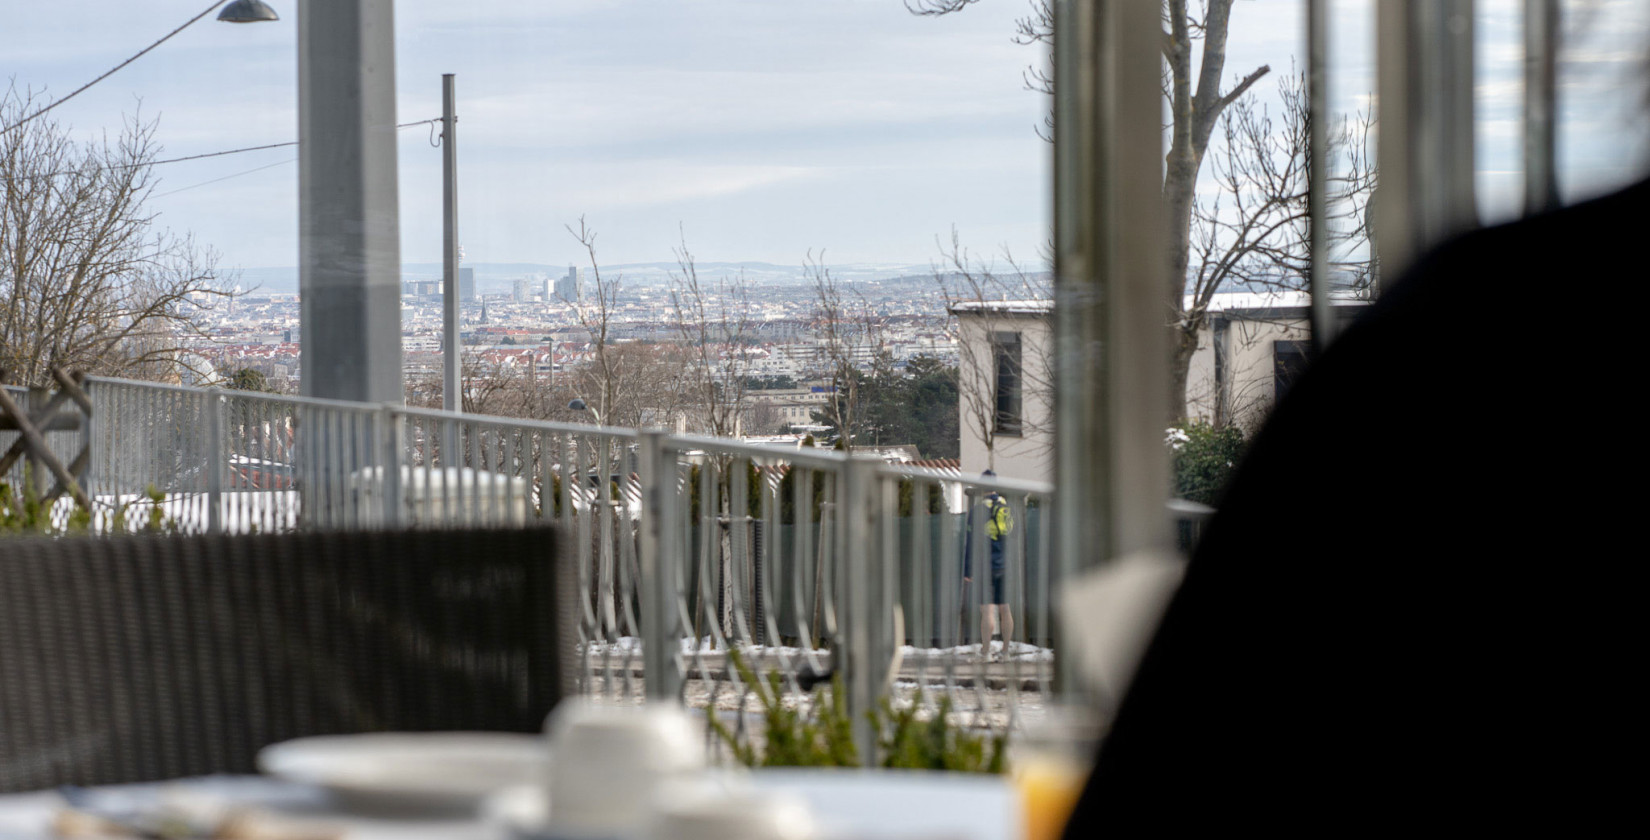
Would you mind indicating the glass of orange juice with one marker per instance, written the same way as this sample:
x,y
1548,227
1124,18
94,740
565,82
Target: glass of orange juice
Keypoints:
x,y
1050,763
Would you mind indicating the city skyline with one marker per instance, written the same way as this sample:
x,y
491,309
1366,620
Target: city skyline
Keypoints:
x,y
761,131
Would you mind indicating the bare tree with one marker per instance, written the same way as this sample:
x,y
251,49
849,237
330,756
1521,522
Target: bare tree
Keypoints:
x,y
713,324
595,314
994,303
1194,49
496,390
1252,230
763,418
89,282
847,331
653,383
1261,168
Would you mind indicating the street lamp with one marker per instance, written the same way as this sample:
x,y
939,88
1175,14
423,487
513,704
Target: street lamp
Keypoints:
x,y
578,404
247,11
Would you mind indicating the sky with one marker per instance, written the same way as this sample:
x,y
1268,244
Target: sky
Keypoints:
x,y
759,129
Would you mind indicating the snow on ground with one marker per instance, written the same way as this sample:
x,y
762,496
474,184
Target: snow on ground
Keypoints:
x,y
1017,651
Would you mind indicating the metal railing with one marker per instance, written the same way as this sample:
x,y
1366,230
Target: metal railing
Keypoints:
x,y
812,563
24,475
691,553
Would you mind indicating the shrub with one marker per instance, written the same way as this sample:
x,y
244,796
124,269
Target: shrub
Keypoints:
x,y
27,514
1204,459
823,737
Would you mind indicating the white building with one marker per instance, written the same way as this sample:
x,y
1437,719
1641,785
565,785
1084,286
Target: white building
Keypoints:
x,y
783,408
1254,346
1005,378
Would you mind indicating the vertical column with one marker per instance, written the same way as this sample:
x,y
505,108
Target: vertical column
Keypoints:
x,y
661,558
348,216
87,439
1317,106
452,378
215,461
1112,353
37,475
857,596
1424,57
391,433
1541,33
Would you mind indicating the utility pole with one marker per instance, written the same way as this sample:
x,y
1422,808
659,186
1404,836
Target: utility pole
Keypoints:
x,y
451,358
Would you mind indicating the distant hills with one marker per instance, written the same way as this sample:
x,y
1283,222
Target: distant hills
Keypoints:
x,y
497,277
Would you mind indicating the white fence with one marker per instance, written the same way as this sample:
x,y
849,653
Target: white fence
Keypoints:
x,y
814,563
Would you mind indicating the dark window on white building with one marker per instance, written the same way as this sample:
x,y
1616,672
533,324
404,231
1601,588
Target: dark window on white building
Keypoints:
x,y
1289,360
1005,354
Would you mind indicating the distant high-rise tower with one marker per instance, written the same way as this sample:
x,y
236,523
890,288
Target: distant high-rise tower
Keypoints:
x,y
571,287
467,284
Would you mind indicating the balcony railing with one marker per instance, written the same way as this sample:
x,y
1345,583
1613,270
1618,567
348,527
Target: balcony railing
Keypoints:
x,y
688,551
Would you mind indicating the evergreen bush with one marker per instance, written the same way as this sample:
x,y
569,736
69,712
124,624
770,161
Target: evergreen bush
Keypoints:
x,y
1205,456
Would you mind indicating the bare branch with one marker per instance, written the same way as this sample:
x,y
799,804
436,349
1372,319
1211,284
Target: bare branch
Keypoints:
x,y
713,325
935,8
1242,87
87,281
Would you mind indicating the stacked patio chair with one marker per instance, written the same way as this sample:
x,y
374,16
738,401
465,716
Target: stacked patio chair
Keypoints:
x,y
142,658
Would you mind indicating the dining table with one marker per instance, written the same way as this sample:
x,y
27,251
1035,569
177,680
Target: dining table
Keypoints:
x,y
897,805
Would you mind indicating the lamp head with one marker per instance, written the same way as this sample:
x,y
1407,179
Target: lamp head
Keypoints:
x,y
576,405
247,11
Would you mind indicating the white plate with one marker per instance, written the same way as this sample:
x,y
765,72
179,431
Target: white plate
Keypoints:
x,y
404,772
519,813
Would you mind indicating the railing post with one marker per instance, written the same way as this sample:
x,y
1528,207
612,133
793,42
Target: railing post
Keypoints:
x,y
86,439
860,625
661,558
36,474
390,423
214,461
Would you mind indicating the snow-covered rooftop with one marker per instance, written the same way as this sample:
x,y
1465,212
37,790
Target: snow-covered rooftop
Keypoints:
x,y
1040,306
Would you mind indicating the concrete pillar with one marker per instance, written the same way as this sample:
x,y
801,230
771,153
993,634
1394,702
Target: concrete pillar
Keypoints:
x,y
1424,58
349,214
1112,353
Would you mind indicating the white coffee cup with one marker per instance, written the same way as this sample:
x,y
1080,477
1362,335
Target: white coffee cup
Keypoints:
x,y
610,764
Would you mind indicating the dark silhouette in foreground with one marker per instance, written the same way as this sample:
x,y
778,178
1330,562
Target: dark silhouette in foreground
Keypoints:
x,y
1414,603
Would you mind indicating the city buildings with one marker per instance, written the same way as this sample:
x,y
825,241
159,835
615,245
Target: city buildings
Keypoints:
x,y
570,288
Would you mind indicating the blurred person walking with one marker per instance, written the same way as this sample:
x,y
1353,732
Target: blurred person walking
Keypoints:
x,y
999,523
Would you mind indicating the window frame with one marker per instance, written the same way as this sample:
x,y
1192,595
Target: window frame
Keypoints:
x,y
1008,409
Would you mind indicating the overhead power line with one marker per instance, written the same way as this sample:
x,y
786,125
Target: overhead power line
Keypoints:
x,y
125,166
77,91
227,177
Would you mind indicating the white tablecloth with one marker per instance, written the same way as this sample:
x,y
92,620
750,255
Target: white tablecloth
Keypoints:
x,y
871,804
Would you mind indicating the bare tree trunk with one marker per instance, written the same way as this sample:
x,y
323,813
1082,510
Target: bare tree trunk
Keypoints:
x,y
1195,113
